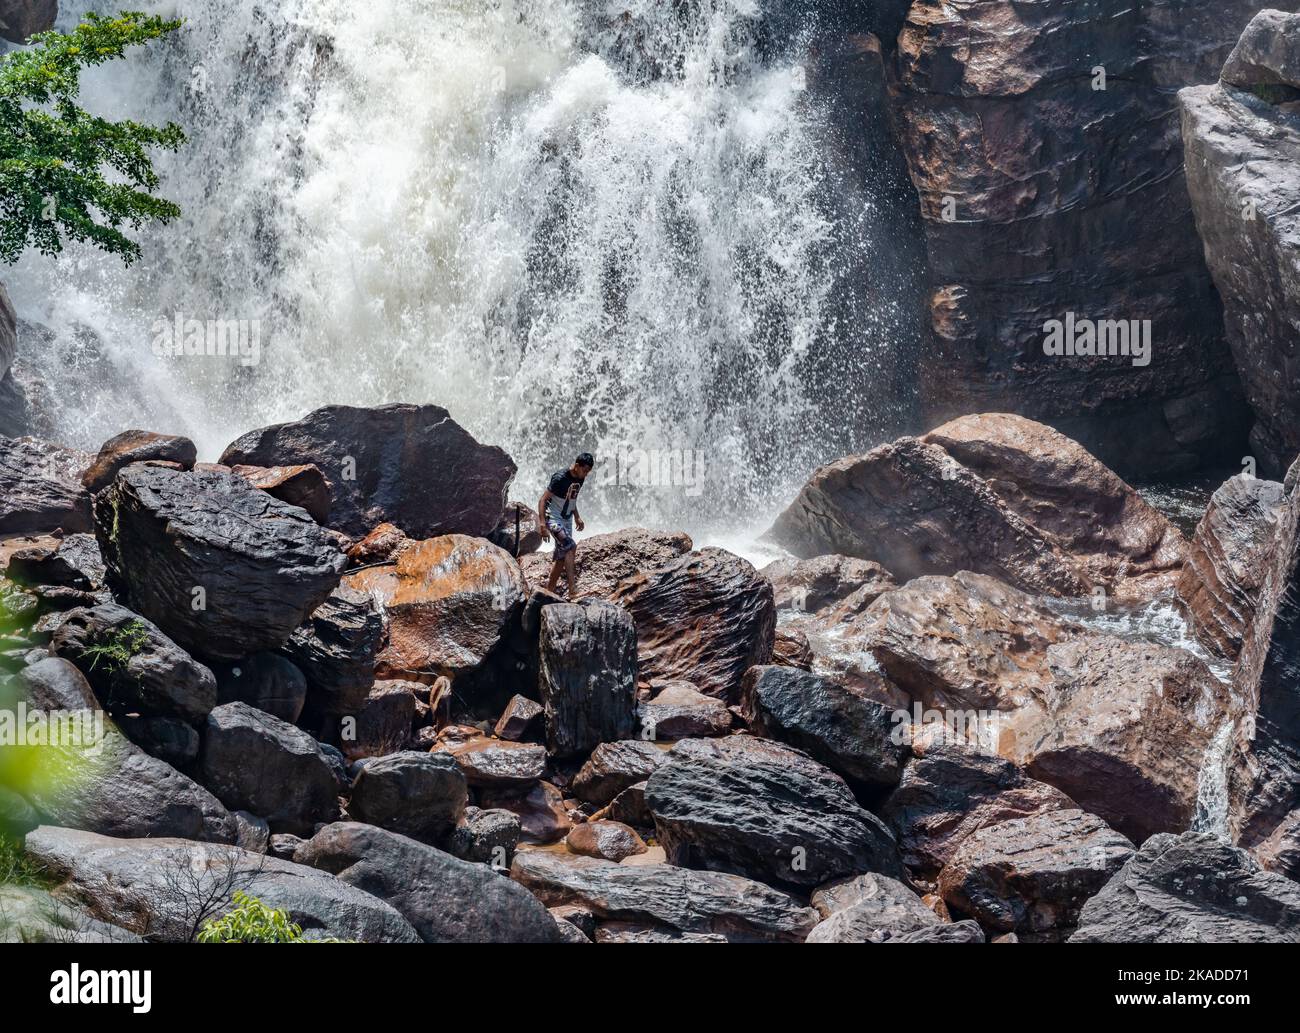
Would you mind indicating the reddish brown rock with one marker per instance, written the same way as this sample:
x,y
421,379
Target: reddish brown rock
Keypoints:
x,y
680,711
608,840
381,545
604,560
614,767
303,486
492,762
136,446
812,586
543,818
792,648
517,530
521,721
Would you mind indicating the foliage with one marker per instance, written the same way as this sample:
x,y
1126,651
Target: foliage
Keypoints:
x,y
116,649
251,922
61,167
17,869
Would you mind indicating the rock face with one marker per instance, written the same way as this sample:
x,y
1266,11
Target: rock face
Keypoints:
x,y
445,899
588,676
392,464
419,795
258,763
994,494
20,19
706,618
1192,888
1220,584
1243,159
759,809
449,602
223,568
133,666
335,648
40,488
665,896
165,888
869,909
114,787
136,446
1028,207
605,560
1033,875
850,734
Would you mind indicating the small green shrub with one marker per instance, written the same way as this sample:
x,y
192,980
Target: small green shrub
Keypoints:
x,y
17,869
116,649
251,922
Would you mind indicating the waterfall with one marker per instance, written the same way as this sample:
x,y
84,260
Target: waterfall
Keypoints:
x,y
621,227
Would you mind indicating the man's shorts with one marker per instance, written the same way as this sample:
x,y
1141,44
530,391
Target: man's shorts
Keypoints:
x,y
562,532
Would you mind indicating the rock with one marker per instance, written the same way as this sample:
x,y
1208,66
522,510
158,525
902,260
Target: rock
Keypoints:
x,y
266,681
109,784
1268,53
386,720
570,933
993,494
680,711
705,618
609,840
31,915
543,818
20,19
167,738
1192,888
517,531
791,648
15,411
382,545
662,895
284,845
1033,875
606,560
581,918
40,488
255,762
630,932
133,666
301,486
136,446
853,736
614,767
629,807
70,562
391,464
166,888
957,932
335,648
449,604
1224,573
222,568
252,833
446,900
868,909
588,676
492,762
486,836
820,583
521,720
950,791
420,795
765,811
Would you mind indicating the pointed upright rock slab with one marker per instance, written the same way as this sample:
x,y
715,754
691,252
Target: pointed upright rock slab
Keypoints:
x,y
409,465
760,809
335,648
224,569
40,488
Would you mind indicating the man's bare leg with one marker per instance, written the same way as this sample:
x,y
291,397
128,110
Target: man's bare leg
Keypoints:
x,y
571,572
554,583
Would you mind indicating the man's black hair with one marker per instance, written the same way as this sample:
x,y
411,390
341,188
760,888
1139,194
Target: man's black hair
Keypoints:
x,y
586,459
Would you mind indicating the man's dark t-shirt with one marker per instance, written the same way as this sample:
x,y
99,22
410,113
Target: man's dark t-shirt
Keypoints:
x,y
559,487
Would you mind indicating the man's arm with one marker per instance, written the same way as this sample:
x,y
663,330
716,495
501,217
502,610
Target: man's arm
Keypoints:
x,y
541,516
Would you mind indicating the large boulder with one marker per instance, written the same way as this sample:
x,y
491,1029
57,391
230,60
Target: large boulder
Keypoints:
x,y
588,676
266,681
105,783
614,767
680,711
1193,888
335,648
446,900
136,446
706,617
420,795
21,19
164,889
255,762
29,914
994,494
224,569
409,465
1242,151
853,736
40,488
760,809
1033,875
605,560
133,666
665,896
868,909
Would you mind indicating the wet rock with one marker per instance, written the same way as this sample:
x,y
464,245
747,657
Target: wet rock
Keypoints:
x,y
301,486
824,583
420,795
252,833
486,836
136,446
605,560
517,531
629,807
335,648
21,19
133,666
663,895
588,676
1268,53
680,711
165,888
1220,583
284,845
853,736
791,648
255,762
609,840
381,545
390,464
40,488
446,900
1192,888
1033,875
868,909
70,562
223,568
615,766
705,618
492,762
521,721
385,720
543,818
763,810
266,681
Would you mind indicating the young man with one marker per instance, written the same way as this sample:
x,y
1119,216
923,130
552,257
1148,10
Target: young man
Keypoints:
x,y
557,512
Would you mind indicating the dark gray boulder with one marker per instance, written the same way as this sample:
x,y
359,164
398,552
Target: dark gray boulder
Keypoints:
x,y
869,909
335,648
487,836
70,562
40,488
420,795
614,767
266,681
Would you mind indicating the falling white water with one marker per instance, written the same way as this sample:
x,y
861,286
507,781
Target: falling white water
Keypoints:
x,y
577,224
